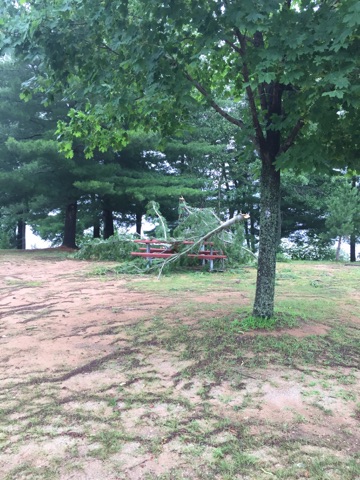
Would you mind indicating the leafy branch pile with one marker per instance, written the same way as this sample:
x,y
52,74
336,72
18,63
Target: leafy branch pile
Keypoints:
x,y
115,248
194,224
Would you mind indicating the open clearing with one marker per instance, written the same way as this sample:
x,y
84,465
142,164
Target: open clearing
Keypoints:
x,y
108,376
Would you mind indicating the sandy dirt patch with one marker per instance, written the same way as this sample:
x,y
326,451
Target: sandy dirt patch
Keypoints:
x,y
88,392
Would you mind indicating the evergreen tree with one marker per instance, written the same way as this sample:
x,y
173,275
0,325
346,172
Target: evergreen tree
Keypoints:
x,y
304,203
343,219
19,122
35,179
128,179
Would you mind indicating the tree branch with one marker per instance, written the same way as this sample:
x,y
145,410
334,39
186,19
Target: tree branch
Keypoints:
x,y
261,91
214,105
19,139
223,226
233,46
250,94
262,96
291,138
106,47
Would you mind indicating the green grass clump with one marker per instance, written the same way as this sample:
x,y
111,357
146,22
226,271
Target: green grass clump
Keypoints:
x,y
258,323
254,323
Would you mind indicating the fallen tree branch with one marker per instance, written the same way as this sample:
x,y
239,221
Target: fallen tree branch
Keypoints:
x,y
223,226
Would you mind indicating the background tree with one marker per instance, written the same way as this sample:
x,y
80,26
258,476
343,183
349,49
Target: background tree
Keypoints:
x,y
304,203
20,122
355,234
35,179
343,218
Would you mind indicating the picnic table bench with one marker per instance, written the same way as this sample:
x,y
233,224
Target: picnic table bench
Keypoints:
x,y
161,249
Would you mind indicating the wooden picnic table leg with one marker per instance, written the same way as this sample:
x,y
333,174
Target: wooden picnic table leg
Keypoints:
x,y
148,250
203,262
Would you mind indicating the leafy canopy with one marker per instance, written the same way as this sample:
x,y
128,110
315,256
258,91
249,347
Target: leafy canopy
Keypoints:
x,y
144,62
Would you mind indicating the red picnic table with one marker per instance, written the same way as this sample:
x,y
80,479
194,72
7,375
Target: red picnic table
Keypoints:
x,y
163,249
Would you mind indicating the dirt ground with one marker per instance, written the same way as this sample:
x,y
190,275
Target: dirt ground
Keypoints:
x,y
82,398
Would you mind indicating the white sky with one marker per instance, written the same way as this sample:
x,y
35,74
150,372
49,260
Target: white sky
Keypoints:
x,y
33,241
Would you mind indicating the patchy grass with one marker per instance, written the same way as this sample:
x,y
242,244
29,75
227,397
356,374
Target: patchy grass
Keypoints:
x,y
194,387
20,283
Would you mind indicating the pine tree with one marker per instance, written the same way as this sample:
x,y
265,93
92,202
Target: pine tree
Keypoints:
x,y
343,212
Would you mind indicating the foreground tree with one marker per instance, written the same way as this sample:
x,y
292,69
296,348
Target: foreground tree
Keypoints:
x,y
292,65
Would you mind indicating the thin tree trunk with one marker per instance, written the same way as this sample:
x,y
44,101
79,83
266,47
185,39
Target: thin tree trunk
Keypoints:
x,y
223,226
352,248
247,235
269,231
231,212
108,223
95,206
338,248
12,237
96,228
352,236
252,232
21,235
138,222
69,240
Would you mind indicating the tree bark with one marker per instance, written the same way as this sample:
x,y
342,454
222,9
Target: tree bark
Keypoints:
x,y
21,235
69,239
270,194
138,222
247,235
269,231
96,228
108,223
95,206
252,232
352,248
352,236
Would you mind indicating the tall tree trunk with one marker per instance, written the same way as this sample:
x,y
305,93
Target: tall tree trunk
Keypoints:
x,y
352,236
95,206
12,237
270,194
269,231
352,248
252,231
247,235
138,222
96,228
108,223
69,239
21,235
